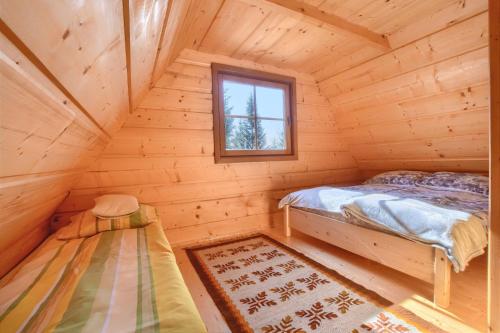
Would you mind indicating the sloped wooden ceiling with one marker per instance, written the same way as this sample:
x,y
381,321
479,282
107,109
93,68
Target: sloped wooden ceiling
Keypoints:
x,y
296,34
406,81
417,101
71,72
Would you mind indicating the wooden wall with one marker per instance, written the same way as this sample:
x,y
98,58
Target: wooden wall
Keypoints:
x,y
70,73
164,156
46,142
63,93
494,230
424,104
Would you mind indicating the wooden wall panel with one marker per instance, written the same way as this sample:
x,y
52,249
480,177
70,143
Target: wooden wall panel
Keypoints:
x,y
46,142
457,39
494,229
442,15
146,22
62,91
164,156
48,135
197,23
27,203
168,48
82,44
423,105
218,41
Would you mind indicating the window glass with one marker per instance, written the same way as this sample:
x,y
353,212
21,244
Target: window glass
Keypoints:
x,y
270,102
236,97
240,133
271,134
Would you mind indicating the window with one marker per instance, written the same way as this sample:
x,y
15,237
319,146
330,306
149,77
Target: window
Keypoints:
x,y
254,115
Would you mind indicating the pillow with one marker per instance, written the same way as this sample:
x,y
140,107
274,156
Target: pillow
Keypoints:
x,y
467,182
399,177
86,224
112,205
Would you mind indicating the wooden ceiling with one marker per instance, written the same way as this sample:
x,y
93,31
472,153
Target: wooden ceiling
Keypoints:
x,y
320,37
91,62
106,63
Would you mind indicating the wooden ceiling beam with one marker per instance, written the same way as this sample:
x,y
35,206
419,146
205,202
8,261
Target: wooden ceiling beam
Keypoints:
x,y
319,17
160,40
126,32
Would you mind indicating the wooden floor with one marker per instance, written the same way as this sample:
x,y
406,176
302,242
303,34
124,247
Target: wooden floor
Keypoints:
x,y
467,312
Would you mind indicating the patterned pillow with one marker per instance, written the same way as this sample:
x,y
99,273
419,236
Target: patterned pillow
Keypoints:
x,y
86,224
467,182
397,177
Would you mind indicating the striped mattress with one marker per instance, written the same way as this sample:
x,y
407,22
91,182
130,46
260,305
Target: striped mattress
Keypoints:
x,y
116,281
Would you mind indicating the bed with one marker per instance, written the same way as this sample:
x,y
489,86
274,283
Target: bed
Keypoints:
x,y
125,280
423,224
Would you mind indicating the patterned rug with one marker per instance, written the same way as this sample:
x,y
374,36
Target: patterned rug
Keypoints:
x,y
260,285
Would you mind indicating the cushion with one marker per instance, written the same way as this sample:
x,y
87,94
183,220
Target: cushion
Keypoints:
x,y
400,177
467,182
111,205
86,224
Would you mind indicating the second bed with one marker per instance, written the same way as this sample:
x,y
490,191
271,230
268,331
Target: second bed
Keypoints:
x,y
416,222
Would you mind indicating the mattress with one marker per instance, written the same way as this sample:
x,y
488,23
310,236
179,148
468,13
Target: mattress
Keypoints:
x,y
116,281
345,219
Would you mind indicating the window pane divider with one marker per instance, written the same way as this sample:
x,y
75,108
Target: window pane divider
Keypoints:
x,y
247,117
255,117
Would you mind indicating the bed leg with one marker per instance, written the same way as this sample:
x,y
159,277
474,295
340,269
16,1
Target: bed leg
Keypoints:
x,y
286,221
442,275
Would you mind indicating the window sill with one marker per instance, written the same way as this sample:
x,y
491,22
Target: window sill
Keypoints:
x,y
254,158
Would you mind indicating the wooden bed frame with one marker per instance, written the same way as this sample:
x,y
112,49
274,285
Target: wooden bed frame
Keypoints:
x,y
418,260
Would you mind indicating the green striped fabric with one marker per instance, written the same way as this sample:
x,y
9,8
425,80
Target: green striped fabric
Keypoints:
x,y
80,306
115,281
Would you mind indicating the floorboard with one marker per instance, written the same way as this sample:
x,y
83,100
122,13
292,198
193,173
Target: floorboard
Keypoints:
x,y
466,313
